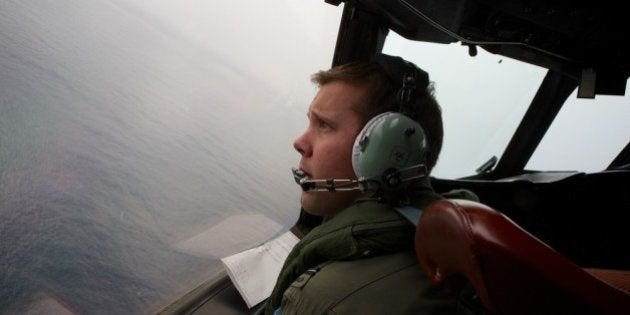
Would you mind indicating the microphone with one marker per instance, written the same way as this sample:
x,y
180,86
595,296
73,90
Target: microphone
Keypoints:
x,y
330,185
391,180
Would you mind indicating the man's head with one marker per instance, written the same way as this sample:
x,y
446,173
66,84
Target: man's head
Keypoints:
x,y
348,97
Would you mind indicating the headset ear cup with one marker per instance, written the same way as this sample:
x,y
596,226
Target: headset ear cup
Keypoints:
x,y
356,152
388,144
360,142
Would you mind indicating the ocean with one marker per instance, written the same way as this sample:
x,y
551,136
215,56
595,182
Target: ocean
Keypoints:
x,y
131,159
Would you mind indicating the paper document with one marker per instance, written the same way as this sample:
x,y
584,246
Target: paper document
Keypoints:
x,y
254,272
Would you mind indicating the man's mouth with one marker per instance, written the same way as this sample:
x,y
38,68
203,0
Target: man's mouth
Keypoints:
x,y
299,175
304,172
303,179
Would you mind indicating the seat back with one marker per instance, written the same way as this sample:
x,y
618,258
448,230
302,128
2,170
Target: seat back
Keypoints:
x,y
511,271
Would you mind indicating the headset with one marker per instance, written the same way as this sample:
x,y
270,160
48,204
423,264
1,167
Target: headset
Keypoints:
x,y
390,151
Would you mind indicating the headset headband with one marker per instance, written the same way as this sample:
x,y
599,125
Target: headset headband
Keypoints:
x,y
405,76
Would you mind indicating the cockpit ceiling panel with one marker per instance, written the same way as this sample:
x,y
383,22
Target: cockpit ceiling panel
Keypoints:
x,y
563,35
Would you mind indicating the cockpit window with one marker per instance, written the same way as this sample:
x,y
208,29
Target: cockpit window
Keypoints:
x,y
483,99
586,135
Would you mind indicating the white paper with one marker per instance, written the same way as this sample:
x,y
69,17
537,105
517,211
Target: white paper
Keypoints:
x,y
254,272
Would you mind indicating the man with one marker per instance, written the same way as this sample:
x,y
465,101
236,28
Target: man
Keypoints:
x,y
361,259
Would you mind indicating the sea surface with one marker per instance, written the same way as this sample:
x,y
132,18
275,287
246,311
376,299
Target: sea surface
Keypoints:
x,y
131,159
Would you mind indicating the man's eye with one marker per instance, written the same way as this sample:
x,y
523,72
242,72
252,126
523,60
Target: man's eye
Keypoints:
x,y
323,125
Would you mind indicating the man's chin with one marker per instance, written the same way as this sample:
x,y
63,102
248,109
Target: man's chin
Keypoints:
x,y
324,203
311,203
306,200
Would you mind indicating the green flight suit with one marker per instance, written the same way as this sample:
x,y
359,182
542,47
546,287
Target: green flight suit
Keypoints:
x,y
361,261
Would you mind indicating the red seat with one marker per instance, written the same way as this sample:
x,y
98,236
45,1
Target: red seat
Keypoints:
x,y
511,271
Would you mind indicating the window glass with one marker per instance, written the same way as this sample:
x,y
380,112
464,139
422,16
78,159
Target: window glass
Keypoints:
x,y
586,135
141,141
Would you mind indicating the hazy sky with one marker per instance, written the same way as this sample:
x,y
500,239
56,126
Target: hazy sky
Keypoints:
x,y
278,41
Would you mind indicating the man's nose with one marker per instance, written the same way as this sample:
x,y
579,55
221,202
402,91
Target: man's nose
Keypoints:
x,y
302,145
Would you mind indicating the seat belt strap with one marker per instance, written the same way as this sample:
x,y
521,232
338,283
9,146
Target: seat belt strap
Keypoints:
x,y
410,213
